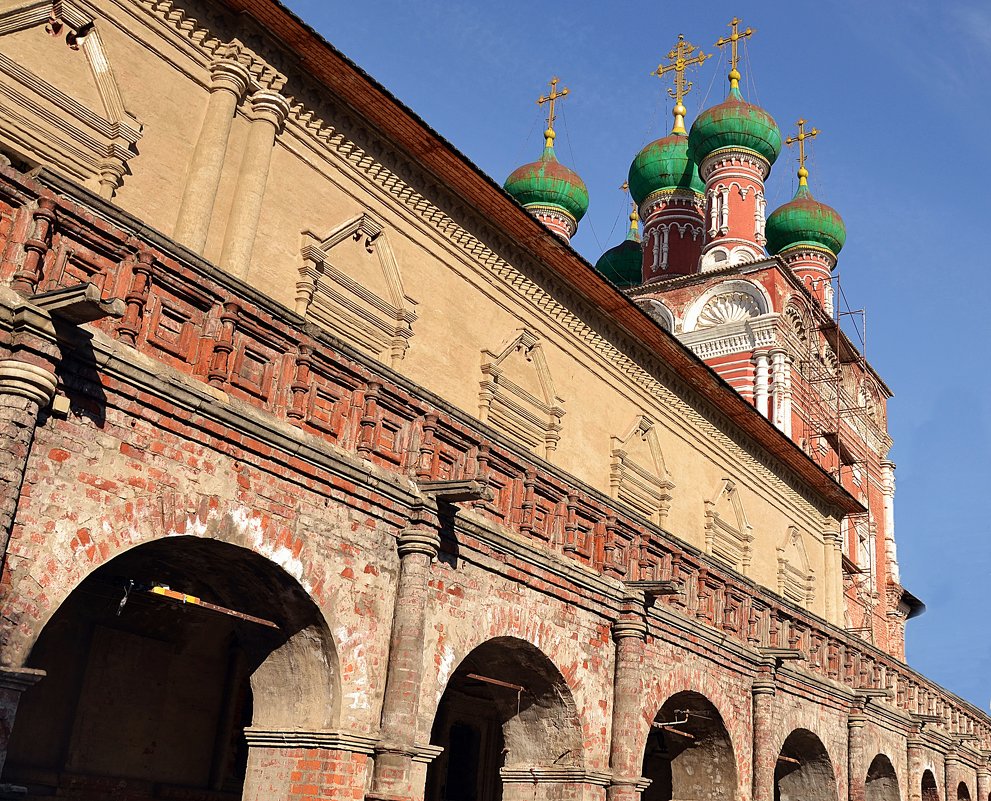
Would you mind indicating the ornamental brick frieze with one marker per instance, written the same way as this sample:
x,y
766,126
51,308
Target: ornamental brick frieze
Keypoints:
x,y
237,353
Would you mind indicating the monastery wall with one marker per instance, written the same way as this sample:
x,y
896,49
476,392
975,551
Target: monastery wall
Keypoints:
x,y
354,237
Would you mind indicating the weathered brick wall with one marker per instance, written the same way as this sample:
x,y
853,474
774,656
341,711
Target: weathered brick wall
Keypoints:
x,y
229,421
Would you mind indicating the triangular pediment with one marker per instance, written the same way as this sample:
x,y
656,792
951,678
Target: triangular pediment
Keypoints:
x,y
728,533
60,104
638,476
517,393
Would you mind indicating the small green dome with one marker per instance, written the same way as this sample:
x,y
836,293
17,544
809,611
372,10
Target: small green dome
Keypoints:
x,y
623,264
734,123
805,222
664,164
546,182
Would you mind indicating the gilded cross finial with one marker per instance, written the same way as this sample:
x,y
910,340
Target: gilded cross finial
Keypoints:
x,y
682,56
551,98
733,41
634,215
803,174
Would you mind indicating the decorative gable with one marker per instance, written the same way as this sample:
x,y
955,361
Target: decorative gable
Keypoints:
x,y
796,579
728,534
351,285
517,394
637,474
60,104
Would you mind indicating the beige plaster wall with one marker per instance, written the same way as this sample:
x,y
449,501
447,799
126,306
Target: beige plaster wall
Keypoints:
x,y
464,307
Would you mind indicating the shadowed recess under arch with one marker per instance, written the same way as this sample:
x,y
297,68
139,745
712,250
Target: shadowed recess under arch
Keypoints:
x,y
690,758
156,690
507,710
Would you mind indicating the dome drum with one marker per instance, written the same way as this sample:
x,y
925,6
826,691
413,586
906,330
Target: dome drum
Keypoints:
x,y
735,158
690,201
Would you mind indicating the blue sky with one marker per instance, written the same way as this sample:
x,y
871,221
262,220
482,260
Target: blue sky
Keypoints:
x,y
899,90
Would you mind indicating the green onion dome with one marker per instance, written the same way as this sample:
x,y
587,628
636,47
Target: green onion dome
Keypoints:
x,y
805,223
662,165
547,183
623,264
734,123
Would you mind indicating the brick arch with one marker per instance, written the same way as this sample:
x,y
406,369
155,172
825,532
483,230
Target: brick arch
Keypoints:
x,y
509,623
930,788
541,723
692,755
805,770
43,585
881,783
714,690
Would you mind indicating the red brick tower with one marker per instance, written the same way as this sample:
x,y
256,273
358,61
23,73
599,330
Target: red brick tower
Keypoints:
x,y
734,144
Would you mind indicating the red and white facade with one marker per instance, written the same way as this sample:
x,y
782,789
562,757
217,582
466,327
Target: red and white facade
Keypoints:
x,y
735,207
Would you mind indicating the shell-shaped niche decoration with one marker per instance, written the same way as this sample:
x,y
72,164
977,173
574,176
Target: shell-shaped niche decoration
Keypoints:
x,y
730,307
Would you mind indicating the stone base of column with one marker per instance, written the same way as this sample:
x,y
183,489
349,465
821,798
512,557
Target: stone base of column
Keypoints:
x,y
293,764
541,783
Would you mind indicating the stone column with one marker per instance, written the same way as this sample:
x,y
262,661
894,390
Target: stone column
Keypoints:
x,y
890,549
229,81
856,767
625,760
913,747
765,752
983,782
832,558
778,386
762,376
786,396
951,764
268,112
13,683
27,386
392,777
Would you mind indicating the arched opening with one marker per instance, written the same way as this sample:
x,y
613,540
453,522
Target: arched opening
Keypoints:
x,y
506,713
882,781
963,792
145,692
804,771
689,756
930,791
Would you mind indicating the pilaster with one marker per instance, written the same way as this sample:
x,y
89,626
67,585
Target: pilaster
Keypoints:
x,y
762,377
913,747
229,81
984,780
268,112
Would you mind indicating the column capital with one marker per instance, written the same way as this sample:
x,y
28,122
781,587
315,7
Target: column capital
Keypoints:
x,y
229,75
270,107
27,380
418,540
629,627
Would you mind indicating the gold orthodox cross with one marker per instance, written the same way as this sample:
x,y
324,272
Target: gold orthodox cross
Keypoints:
x,y
681,57
634,215
802,135
733,41
551,98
